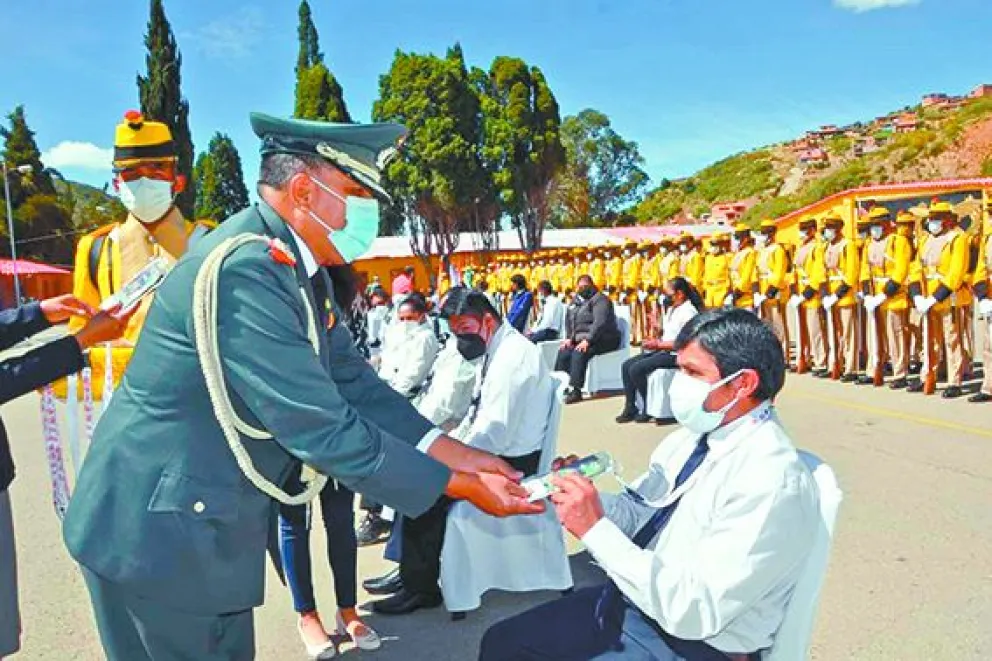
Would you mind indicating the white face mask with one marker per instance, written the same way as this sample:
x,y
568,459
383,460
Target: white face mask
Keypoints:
x,y
685,248
934,227
714,250
761,239
829,234
688,401
735,244
876,233
146,199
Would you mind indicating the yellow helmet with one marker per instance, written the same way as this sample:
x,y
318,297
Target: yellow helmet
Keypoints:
x,y
138,140
768,224
905,218
939,207
879,213
833,220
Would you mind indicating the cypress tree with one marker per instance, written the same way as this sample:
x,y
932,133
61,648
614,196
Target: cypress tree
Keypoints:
x,y
220,185
161,94
318,94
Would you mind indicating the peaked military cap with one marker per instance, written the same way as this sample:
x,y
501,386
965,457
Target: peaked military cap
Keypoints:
x,y
361,151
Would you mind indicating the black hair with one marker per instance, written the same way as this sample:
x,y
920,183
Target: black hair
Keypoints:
x,y
381,292
520,281
680,284
462,300
738,340
416,302
587,278
277,169
545,286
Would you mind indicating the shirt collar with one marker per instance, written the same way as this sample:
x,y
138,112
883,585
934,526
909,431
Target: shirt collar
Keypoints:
x,y
309,261
498,337
756,416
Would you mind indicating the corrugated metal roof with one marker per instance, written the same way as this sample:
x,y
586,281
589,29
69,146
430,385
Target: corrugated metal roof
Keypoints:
x,y
25,267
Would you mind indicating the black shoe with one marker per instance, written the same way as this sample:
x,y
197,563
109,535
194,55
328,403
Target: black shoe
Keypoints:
x,y
391,583
865,380
643,418
627,415
951,392
914,368
915,386
851,377
898,384
980,398
573,396
374,529
404,602
821,373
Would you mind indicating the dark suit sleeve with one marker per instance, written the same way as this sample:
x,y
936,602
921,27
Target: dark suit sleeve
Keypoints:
x,y
370,395
270,363
600,318
21,323
41,366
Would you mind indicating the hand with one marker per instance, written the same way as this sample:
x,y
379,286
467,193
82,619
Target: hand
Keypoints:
x,y
759,300
494,494
567,344
918,303
104,326
870,304
985,307
582,346
795,301
460,457
830,300
728,301
577,503
60,308
651,345
860,296
561,462
928,303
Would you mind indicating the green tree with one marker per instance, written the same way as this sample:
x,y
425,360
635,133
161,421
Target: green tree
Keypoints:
x,y
161,94
318,94
602,161
437,177
220,184
42,225
521,145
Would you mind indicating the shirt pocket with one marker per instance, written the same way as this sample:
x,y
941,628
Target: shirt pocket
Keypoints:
x,y
195,499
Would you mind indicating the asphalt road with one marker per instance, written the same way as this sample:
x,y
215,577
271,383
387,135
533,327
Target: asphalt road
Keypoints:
x,y
910,575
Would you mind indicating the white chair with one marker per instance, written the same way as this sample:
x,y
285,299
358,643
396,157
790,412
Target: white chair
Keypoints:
x,y
603,371
659,403
549,352
793,638
516,554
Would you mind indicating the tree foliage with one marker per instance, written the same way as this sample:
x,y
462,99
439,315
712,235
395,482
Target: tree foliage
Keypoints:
x,y
318,94
604,171
438,176
161,94
521,146
220,184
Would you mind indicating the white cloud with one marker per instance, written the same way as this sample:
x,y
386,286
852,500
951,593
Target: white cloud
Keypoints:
x,y
860,6
230,37
71,154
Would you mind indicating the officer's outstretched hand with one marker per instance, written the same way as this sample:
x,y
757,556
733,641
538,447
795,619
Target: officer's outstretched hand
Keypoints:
x,y
460,457
492,493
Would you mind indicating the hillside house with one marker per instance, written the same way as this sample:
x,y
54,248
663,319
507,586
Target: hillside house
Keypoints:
x,y
935,99
814,157
906,123
864,146
827,131
726,214
981,92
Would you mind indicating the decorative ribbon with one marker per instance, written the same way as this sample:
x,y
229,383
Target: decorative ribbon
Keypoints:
x,y
53,450
72,421
108,376
88,415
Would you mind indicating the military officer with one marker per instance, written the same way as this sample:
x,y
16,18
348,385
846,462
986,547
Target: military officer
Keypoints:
x,y
941,267
742,268
906,227
242,342
690,261
668,266
983,294
147,178
613,265
843,273
716,270
648,286
885,277
810,275
573,269
770,287
596,266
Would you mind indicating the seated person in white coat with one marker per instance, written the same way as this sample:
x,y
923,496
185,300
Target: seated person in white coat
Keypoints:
x,y
681,303
508,417
552,319
703,555
409,349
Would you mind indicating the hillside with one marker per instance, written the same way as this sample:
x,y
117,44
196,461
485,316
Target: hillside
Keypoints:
x,y
952,139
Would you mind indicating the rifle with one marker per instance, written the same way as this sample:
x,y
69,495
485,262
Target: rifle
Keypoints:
x,y
875,348
928,372
802,339
833,361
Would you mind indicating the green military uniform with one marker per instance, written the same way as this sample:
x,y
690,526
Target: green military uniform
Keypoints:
x,y
170,533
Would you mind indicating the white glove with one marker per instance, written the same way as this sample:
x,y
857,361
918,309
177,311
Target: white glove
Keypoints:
x,y
795,301
830,300
985,307
879,299
641,295
871,304
759,299
859,296
918,303
927,304
728,301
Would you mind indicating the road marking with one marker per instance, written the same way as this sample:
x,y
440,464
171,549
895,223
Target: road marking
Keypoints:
x,y
918,419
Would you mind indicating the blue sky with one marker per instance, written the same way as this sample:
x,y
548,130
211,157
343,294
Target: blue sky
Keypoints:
x,y
691,81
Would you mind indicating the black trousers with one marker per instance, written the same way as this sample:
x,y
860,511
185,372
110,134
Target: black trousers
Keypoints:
x,y
543,335
423,537
636,370
575,362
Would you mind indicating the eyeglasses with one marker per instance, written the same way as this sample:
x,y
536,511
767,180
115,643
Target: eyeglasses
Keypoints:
x,y
162,170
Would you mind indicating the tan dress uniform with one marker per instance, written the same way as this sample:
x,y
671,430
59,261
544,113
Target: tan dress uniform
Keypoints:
x,y
983,294
843,271
810,275
772,283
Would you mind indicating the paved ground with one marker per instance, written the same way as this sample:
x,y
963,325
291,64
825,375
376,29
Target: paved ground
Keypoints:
x,y
911,573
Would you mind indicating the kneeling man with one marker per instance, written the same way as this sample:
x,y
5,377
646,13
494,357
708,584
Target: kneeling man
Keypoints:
x,y
703,555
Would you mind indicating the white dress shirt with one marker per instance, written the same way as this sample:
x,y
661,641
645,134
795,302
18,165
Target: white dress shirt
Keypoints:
x,y
514,397
552,316
448,397
409,350
311,266
723,569
675,318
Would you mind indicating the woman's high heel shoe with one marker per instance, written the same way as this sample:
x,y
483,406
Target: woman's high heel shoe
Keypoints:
x,y
368,640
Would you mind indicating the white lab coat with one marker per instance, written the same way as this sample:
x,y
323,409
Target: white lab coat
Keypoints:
x,y
552,316
725,566
447,398
408,353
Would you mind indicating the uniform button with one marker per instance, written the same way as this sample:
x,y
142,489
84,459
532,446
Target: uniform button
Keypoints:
x,y
198,507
